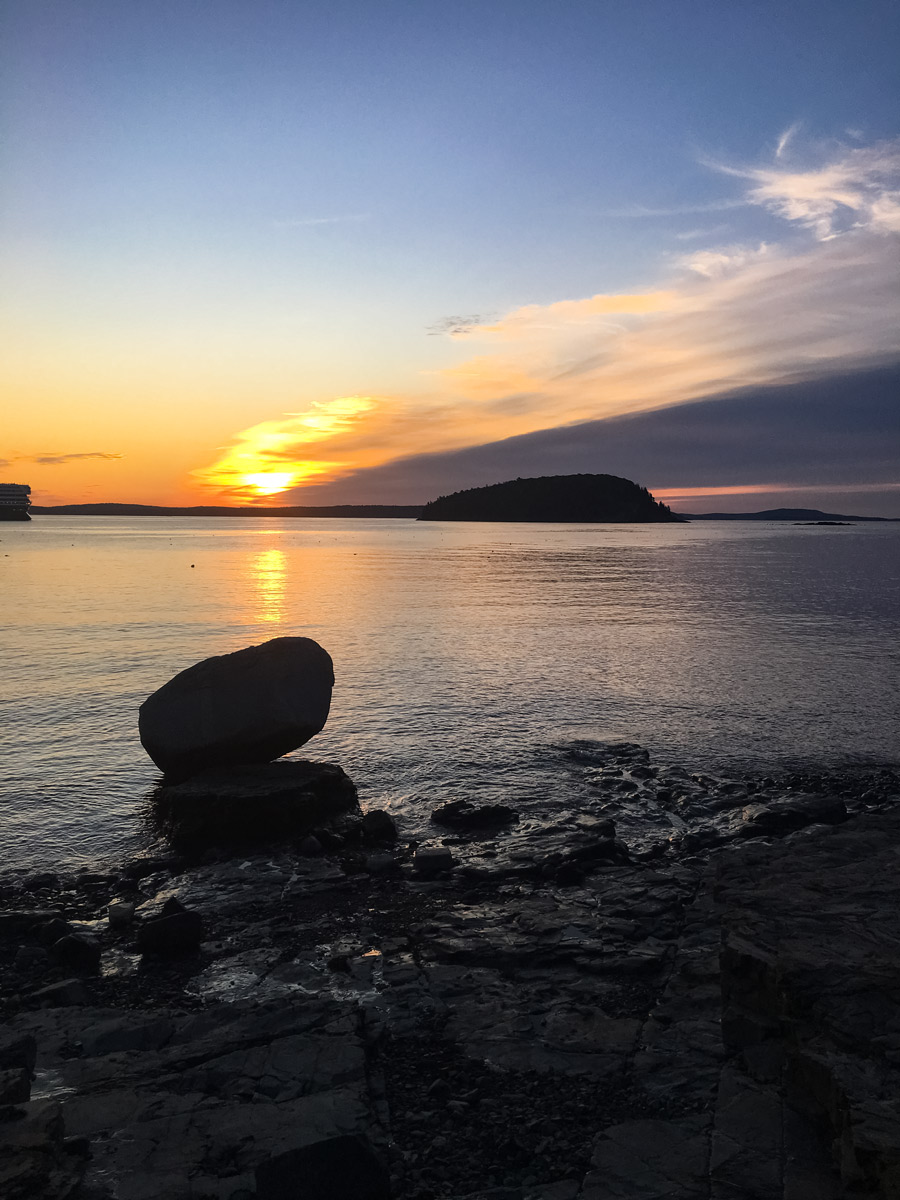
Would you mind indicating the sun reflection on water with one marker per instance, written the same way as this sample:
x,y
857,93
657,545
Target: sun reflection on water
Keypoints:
x,y
267,570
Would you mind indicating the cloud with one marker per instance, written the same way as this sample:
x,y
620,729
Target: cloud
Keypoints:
x,y
856,188
456,324
820,302
307,222
786,138
272,456
837,434
56,460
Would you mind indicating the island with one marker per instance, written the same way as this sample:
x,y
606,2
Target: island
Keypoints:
x,y
595,498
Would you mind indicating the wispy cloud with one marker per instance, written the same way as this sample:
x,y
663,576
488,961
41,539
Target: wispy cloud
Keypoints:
x,y
306,222
784,141
457,324
852,188
636,211
57,459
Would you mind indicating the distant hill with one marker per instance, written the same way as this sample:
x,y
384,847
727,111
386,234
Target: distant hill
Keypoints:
x,y
551,498
779,514
153,510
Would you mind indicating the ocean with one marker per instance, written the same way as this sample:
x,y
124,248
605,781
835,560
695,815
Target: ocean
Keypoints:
x,y
475,661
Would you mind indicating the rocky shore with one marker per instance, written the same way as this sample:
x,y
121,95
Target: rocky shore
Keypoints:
x,y
513,1010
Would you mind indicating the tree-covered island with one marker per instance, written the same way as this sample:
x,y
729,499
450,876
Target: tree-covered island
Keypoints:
x,y
552,498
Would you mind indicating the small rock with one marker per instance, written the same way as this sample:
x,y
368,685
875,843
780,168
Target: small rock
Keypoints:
x,y
461,814
30,958
431,860
17,1050
172,934
120,914
15,1085
380,864
337,1168
379,826
310,847
60,995
76,952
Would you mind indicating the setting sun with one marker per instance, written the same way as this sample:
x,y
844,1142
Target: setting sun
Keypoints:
x,y
267,483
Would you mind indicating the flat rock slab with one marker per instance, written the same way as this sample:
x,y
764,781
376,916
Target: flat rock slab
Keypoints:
x,y
251,804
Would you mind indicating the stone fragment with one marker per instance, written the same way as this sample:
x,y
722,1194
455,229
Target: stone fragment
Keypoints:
x,y
76,952
244,805
431,860
171,935
15,1085
247,707
63,994
784,816
33,1159
379,826
17,1050
120,914
462,814
333,1169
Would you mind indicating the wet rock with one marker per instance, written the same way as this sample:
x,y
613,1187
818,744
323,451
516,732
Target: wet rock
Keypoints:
x,y
120,914
33,1160
175,932
76,953
461,814
332,1169
247,707
379,826
15,1085
43,881
48,932
17,1050
432,860
784,816
63,994
380,864
243,805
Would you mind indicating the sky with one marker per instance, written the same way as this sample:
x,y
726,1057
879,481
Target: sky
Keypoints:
x,y
273,252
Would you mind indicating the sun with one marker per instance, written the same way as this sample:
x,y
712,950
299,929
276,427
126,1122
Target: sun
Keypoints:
x,y
268,483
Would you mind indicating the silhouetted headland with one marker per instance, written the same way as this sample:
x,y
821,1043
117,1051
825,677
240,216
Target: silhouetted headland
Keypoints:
x,y
781,514
552,498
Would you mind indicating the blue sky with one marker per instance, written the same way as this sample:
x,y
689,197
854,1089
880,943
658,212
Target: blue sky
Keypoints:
x,y
219,213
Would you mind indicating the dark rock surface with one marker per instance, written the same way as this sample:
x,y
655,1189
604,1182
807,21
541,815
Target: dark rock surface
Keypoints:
x,y
246,805
461,814
247,707
715,1023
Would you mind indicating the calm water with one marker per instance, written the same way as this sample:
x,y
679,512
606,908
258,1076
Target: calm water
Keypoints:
x,y
468,657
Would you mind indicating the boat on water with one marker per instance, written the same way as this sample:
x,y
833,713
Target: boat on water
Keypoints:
x,y
14,501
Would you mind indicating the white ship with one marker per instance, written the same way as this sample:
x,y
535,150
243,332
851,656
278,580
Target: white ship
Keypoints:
x,y
14,501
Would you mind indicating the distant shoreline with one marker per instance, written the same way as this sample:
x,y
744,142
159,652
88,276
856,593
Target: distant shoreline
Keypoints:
x,y
152,510
389,511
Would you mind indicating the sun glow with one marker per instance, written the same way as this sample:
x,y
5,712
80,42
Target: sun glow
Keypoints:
x,y
268,483
267,459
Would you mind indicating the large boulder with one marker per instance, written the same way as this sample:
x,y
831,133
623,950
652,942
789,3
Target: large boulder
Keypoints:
x,y
247,707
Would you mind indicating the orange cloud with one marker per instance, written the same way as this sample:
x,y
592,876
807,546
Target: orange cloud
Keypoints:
x,y
269,458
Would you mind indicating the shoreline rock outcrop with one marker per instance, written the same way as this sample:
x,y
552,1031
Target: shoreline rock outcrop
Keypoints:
x,y
250,706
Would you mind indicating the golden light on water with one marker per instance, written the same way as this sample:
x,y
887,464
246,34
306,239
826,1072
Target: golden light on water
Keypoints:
x,y
268,572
